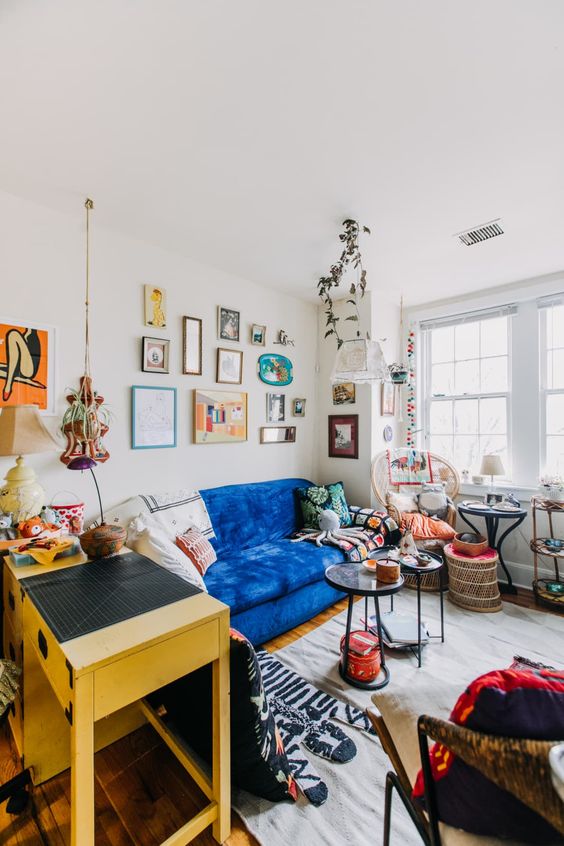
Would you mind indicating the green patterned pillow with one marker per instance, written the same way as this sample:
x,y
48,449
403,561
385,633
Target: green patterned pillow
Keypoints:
x,y
318,498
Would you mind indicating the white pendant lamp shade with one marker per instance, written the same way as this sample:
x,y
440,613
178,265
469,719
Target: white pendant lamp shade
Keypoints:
x,y
360,361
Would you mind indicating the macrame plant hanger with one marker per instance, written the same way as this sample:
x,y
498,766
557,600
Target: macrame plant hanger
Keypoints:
x,y
86,421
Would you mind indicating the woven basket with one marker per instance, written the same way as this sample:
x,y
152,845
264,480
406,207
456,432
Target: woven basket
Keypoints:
x,y
473,580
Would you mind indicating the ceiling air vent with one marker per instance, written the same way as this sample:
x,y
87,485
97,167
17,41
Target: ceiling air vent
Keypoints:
x,y
480,233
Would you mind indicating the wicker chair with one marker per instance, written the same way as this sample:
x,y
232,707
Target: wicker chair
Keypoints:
x,y
443,471
519,766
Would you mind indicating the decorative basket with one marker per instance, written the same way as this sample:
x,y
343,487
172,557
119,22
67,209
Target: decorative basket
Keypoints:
x,y
467,543
473,580
72,516
362,667
102,540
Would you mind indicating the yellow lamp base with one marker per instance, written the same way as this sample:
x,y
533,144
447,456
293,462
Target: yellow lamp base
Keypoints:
x,y
22,496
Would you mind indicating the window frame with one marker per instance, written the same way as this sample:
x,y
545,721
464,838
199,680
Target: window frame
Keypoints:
x,y
544,390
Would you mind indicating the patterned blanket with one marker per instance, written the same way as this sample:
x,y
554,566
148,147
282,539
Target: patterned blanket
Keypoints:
x,y
372,530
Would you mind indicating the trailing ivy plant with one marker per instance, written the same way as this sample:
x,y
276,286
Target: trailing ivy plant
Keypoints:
x,y
350,256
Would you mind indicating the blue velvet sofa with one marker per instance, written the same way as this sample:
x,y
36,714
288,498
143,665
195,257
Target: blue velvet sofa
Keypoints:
x,y
270,584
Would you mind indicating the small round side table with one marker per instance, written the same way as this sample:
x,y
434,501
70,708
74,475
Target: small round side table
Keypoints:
x,y
473,580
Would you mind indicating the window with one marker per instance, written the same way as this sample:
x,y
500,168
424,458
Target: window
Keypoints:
x,y
467,388
552,381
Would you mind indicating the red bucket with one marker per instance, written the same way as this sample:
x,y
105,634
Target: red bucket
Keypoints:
x,y
72,516
364,656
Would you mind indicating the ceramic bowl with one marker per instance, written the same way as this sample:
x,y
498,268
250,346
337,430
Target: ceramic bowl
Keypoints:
x,y
554,543
370,565
102,540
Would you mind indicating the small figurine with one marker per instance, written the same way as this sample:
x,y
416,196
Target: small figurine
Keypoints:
x,y
7,531
407,544
35,527
284,339
49,515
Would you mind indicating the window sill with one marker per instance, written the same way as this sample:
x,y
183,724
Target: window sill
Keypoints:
x,y
521,492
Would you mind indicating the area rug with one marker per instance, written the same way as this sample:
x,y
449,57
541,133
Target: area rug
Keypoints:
x,y
353,812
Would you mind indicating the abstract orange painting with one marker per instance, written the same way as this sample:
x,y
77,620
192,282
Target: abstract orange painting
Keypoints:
x,y
24,354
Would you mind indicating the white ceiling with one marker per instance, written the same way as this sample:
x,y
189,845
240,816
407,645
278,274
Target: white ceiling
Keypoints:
x,y
242,132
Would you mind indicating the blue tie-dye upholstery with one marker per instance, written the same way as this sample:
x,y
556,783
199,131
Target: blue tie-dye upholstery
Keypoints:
x,y
270,584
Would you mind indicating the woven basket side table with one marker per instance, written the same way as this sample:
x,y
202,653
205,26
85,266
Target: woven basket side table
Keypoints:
x,y
473,580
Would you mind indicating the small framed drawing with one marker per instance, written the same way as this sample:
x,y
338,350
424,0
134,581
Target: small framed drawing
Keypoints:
x,y
153,417
277,434
228,321
388,399
258,335
275,408
155,307
155,355
229,369
298,407
192,346
344,393
343,436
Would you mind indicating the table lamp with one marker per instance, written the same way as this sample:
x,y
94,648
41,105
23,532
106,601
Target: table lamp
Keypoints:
x,y
491,466
22,433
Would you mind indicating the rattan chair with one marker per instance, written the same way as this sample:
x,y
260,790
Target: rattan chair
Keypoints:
x,y
519,766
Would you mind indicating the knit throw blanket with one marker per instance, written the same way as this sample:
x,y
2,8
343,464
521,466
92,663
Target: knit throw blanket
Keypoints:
x,y
364,543
304,716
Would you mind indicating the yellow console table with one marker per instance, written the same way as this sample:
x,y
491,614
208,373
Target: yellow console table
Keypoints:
x,y
83,693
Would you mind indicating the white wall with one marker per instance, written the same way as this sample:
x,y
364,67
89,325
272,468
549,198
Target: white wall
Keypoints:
x,y
42,281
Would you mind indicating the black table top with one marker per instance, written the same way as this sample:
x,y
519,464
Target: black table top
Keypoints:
x,y
490,512
353,578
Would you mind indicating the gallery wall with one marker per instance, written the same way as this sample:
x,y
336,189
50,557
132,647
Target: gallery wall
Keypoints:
x,y
42,272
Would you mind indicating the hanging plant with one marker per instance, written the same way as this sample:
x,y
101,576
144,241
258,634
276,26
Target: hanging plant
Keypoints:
x,y
350,256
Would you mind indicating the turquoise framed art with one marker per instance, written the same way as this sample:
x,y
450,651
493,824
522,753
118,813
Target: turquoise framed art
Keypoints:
x,y
153,417
275,369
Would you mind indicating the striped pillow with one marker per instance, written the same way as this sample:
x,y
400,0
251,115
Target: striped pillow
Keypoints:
x,y
198,549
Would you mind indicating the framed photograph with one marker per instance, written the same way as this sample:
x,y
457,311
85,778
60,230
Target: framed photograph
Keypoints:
x,y
229,369
220,417
277,434
493,498
258,335
343,436
155,307
228,322
298,407
344,394
153,417
155,355
275,408
27,365
192,346
388,399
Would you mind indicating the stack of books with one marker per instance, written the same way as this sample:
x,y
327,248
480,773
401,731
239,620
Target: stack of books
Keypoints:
x,y
399,630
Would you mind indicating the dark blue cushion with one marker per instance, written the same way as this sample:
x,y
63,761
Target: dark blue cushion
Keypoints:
x,y
250,577
245,516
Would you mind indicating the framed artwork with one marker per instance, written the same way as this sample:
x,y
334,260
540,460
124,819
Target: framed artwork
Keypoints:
x,y
275,370
343,436
493,498
155,355
228,322
229,368
298,407
388,399
27,365
220,417
192,346
275,408
277,434
258,335
408,466
344,393
153,417
155,307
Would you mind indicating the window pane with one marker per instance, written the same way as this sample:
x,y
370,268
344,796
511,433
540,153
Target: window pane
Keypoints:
x,y
555,414
493,336
466,417
440,421
442,379
467,341
442,445
493,416
555,369
466,452
555,455
555,327
467,377
494,374
442,344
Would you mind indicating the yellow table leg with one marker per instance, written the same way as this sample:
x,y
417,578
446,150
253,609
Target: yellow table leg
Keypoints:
x,y
221,761
82,763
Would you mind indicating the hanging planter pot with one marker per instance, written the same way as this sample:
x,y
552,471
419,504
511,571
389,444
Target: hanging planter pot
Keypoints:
x,y
398,373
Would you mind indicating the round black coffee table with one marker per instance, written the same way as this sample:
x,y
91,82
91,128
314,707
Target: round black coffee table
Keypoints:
x,y
354,580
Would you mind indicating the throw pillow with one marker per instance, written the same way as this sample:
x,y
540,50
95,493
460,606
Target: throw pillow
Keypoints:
x,y
258,759
404,502
507,703
433,501
198,549
147,537
427,528
317,498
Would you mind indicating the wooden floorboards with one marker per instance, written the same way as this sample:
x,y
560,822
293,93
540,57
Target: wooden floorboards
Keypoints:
x,y
142,793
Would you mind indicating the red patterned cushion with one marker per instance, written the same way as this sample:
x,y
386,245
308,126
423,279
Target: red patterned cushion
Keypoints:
x,y
198,549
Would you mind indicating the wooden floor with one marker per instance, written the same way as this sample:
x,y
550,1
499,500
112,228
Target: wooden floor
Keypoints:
x,y
142,792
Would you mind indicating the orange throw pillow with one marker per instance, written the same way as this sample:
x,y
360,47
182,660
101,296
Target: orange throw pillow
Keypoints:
x,y
198,549
425,528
